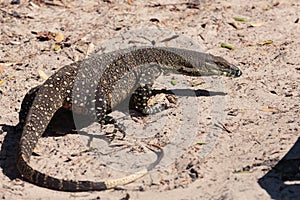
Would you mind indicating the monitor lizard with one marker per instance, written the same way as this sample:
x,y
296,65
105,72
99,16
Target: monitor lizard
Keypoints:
x,y
96,85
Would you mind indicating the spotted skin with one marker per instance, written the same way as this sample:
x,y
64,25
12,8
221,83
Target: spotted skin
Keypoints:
x,y
94,87
61,123
26,105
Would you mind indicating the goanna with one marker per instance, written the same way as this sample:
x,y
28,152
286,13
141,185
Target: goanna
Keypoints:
x,y
97,85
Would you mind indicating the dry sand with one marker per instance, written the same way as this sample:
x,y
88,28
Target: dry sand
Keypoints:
x,y
241,142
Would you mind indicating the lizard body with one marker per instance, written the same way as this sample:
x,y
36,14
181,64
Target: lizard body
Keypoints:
x,y
96,86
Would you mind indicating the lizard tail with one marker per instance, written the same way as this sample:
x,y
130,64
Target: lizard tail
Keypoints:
x,y
43,180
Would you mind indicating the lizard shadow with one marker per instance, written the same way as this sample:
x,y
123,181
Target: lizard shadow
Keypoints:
x,y
283,180
61,124
189,92
8,151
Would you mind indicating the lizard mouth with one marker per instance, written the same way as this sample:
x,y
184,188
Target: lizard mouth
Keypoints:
x,y
232,73
222,68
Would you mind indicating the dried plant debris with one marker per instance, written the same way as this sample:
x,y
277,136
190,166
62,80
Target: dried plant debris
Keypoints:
x,y
227,46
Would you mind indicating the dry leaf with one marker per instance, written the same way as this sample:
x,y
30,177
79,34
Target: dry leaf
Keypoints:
x,y
11,77
265,42
56,3
42,74
234,25
9,64
197,82
44,36
56,48
157,99
200,143
171,98
240,19
33,4
257,24
227,46
59,37
2,67
15,42
90,49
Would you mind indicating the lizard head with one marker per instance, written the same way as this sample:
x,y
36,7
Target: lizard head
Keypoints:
x,y
216,65
202,64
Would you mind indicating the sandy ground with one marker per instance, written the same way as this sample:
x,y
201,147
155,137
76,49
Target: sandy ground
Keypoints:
x,y
239,142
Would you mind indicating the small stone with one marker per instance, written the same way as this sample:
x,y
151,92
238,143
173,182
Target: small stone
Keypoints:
x,y
288,95
15,2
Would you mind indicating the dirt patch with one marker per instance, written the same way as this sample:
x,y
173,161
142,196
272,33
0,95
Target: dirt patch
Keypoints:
x,y
253,153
